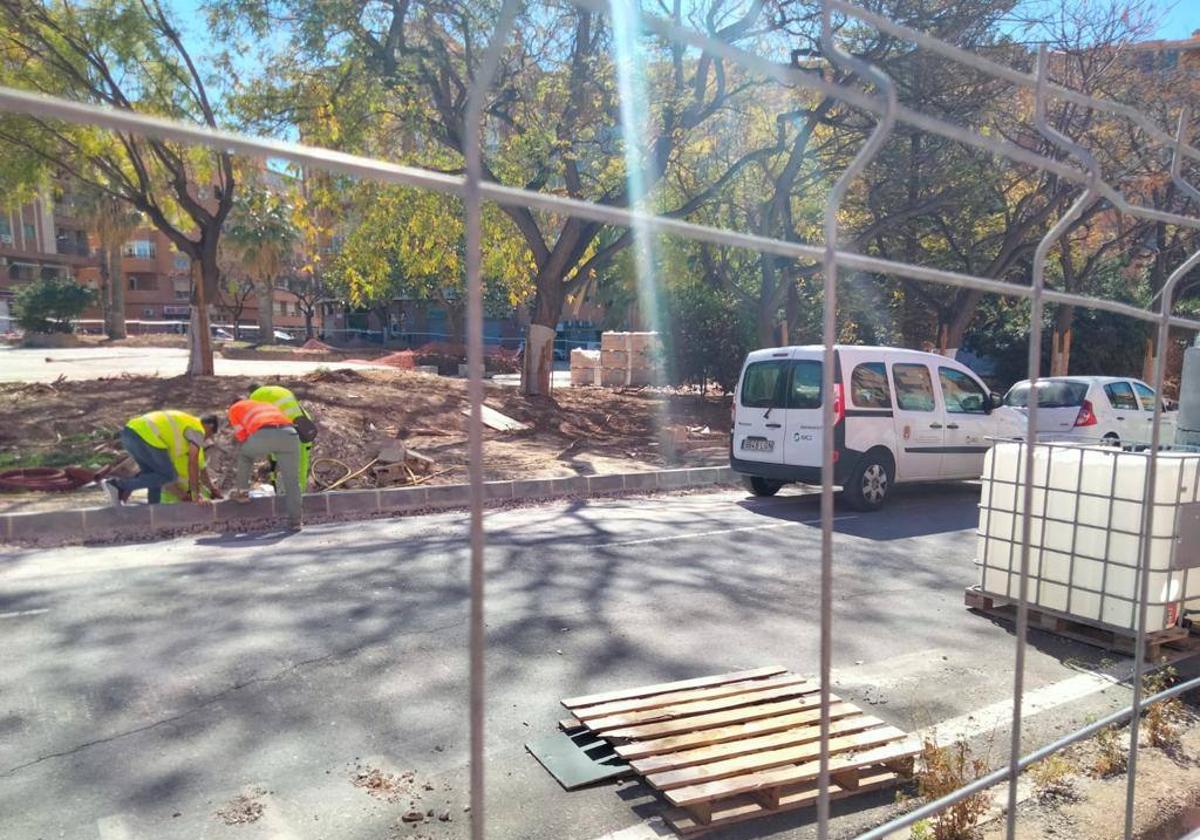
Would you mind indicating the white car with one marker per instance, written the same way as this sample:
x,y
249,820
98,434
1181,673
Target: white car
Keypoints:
x,y
1105,409
899,416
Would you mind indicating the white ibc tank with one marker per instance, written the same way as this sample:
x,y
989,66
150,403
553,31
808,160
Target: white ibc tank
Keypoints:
x,y
1088,508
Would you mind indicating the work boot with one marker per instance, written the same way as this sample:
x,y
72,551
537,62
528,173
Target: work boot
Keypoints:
x,y
115,493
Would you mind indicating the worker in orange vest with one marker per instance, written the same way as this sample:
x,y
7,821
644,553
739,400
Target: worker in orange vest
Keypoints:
x,y
266,432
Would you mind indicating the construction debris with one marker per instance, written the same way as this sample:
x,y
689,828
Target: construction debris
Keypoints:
x,y
630,359
493,419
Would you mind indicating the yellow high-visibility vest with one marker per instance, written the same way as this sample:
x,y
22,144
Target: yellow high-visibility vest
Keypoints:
x,y
281,398
164,430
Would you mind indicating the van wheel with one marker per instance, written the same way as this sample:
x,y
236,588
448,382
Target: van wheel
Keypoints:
x,y
762,486
869,484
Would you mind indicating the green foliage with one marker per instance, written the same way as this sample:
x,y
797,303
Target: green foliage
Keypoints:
x,y
706,336
261,228
50,304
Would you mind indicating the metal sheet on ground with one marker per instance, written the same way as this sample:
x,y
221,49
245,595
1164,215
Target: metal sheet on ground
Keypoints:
x,y
578,759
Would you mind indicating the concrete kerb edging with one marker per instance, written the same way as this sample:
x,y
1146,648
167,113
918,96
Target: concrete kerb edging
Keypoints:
x,y
143,522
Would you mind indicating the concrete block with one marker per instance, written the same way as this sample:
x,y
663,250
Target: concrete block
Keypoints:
x,y
353,501
700,476
493,490
230,511
449,495
571,485
533,488
401,499
432,370
605,483
102,522
52,526
672,479
181,515
641,481
315,505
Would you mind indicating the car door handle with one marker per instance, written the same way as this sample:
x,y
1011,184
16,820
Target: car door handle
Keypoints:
x,y
952,426
1120,417
935,425
774,425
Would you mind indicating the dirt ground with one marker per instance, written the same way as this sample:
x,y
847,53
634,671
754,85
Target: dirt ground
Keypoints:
x,y
579,431
1168,793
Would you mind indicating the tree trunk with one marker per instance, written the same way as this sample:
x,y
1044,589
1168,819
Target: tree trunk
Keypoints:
x,y
308,325
537,367
200,356
1060,341
768,312
266,312
116,308
105,295
956,329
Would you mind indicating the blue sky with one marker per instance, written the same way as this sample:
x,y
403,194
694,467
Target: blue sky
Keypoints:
x,y
1179,21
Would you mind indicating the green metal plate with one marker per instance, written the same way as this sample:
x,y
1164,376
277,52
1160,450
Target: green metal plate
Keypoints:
x,y
578,759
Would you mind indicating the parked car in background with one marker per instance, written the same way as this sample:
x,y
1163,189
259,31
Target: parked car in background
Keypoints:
x,y
221,334
899,416
1089,409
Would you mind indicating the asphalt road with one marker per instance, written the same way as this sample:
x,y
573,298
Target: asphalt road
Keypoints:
x,y
30,365
143,687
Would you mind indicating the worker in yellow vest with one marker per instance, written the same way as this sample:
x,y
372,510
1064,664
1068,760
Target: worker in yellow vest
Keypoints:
x,y
286,401
168,447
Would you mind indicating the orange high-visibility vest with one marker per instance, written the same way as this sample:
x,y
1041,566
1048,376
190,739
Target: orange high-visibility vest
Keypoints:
x,y
248,416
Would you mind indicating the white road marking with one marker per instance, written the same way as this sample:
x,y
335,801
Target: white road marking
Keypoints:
x,y
698,534
115,827
22,613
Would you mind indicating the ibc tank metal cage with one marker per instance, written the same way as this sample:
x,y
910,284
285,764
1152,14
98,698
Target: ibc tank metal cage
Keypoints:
x,y
1089,526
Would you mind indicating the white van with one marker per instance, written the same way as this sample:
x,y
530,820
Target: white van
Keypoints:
x,y
899,415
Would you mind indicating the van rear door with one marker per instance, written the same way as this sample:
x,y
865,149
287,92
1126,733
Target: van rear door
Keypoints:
x,y
804,421
758,433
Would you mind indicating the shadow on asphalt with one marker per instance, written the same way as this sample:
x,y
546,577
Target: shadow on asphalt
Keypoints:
x,y
916,510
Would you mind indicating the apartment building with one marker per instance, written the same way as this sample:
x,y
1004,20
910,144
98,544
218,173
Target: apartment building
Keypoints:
x,y
42,238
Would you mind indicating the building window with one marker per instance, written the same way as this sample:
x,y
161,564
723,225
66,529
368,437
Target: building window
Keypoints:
x,y
181,262
30,234
140,248
142,283
6,237
282,307
183,294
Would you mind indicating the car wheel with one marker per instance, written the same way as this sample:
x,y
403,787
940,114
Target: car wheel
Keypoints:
x,y
762,486
1111,439
868,486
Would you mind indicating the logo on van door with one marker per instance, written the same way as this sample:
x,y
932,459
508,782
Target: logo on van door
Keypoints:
x,y
907,432
797,437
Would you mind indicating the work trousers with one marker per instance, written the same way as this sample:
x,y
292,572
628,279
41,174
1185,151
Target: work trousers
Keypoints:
x,y
283,445
155,470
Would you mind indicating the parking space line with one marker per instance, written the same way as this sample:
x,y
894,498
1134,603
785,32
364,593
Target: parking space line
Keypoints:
x,y
719,532
22,613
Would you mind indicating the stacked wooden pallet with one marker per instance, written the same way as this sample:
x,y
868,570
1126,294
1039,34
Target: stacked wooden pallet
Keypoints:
x,y
585,367
732,747
630,359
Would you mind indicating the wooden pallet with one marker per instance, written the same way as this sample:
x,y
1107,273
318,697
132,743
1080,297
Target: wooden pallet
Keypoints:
x,y
733,747
1077,629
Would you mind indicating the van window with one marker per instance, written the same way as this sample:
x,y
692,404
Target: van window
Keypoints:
x,y
762,383
869,386
1145,396
806,384
1051,394
961,393
1120,396
914,387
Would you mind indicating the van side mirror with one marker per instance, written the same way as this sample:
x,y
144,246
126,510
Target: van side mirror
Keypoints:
x,y
994,401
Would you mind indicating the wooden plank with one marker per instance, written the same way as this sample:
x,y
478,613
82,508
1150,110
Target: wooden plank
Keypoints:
x,y
750,729
741,808
499,421
663,688
732,749
570,724
765,760
672,697
739,715
791,774
700,707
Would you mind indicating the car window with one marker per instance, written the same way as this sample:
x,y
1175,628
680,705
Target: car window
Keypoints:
x,y
1145,396
805,391
1051,394
1120,396
961,393
762,383
869,386
914,387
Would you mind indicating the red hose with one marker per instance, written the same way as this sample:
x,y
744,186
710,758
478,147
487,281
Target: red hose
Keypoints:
x,y
49,478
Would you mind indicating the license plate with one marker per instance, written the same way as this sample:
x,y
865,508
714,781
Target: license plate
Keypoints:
x,y
758,444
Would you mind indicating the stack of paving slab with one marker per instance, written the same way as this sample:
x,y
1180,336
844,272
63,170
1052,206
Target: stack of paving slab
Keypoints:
x,y
630,359
585,367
